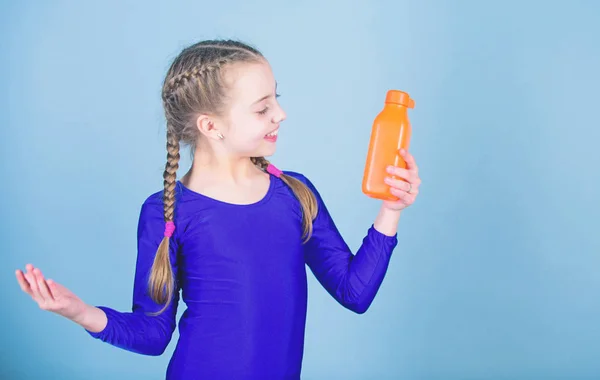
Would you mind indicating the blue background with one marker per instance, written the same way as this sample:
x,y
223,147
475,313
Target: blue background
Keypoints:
x,y
497,273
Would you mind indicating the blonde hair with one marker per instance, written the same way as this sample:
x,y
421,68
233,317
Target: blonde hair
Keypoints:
x,y
195,84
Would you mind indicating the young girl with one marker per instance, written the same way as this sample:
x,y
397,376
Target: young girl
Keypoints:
x,y
233,235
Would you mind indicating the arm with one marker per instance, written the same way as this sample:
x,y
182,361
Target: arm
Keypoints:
x,y
137,331
387,221
353,280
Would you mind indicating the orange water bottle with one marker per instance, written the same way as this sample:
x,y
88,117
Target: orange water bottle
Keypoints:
x,y
391,132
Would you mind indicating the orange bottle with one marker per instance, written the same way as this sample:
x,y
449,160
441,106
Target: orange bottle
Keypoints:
x,y
391,132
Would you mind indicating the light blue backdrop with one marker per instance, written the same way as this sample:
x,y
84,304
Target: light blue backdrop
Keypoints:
x,y
497,274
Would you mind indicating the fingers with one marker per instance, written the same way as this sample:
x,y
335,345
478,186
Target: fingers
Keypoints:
x,y
33,283
406,174
410,161
406,181
23,283
400,184
42,286
56,289
403,196
399,172
53,287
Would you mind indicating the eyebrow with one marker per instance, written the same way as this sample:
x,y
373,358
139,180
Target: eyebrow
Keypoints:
x,y
266,96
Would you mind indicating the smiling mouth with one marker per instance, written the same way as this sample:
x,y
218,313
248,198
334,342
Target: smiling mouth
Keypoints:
x,y
273,134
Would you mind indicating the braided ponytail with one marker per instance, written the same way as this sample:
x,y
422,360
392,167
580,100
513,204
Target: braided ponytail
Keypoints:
x,y
161,282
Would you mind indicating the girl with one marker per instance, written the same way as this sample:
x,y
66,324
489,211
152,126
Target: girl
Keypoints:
x,y
233,235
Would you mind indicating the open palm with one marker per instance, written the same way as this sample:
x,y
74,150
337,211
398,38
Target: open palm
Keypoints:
x,y
50,295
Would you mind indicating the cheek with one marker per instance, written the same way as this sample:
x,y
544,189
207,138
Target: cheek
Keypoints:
x,y
249,135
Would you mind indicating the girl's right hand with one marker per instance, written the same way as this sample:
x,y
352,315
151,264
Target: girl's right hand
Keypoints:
x,y
50,295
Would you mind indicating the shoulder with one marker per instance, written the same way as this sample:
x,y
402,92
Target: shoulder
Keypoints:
x,y
153,203
306,181
151,212
153,200
294,174
300,177
153,208
321,208
151,223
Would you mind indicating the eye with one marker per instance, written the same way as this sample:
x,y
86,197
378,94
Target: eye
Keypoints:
x,y
263,112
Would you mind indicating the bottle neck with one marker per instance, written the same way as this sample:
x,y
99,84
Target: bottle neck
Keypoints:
x,y
395,107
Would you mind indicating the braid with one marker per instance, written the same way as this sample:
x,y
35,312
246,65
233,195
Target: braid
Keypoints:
x,y
170,175
260,162
180,80
195,73
161,282
305,196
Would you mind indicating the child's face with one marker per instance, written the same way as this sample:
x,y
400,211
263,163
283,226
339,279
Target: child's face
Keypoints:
x,y
252,121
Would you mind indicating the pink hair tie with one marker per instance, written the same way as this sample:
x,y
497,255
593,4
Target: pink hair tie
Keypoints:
x,y
169,228
273,170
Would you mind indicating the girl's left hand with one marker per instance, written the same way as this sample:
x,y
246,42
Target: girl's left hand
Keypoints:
x,y
405,191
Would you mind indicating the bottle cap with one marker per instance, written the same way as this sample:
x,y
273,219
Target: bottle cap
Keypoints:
x,y
399,97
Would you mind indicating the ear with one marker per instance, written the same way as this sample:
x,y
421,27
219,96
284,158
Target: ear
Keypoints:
x,y
206,125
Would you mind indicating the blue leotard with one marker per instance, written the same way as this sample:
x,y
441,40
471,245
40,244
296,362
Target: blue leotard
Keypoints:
x,y
241,272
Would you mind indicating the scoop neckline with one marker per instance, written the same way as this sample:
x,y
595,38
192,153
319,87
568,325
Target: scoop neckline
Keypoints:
x,y
264,199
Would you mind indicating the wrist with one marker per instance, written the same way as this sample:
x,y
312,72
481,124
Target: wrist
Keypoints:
x,y
387,221
91,318
391,211
82,315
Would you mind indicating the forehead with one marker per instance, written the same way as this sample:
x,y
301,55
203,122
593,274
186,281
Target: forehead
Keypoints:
x,y
249,82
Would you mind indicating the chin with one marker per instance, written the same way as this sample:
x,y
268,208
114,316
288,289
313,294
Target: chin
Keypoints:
x,y
268,153
265,151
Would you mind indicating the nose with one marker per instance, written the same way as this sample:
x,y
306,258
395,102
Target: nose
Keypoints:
x,y
279,116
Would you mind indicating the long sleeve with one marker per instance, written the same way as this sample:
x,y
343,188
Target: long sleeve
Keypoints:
x,y
137,331
353,280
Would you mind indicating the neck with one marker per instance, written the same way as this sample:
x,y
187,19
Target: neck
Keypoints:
x,y
219,167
